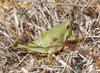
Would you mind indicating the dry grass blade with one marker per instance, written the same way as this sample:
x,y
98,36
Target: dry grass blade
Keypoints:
x,y
23,21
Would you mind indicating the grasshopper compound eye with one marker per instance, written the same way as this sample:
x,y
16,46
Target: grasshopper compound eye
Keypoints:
x,y
67,27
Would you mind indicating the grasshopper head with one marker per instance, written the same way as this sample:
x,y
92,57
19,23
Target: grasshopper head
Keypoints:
x,y
69,27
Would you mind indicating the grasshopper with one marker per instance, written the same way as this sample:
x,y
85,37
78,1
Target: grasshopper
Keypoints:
x,y
50,41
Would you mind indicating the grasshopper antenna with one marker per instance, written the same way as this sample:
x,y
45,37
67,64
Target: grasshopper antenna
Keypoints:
x,y
78,17
76,23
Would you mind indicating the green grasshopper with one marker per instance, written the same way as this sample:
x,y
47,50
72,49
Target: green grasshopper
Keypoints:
x,y
50,41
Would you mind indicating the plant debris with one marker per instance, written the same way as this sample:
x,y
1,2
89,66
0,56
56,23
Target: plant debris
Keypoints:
x,y
22,21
